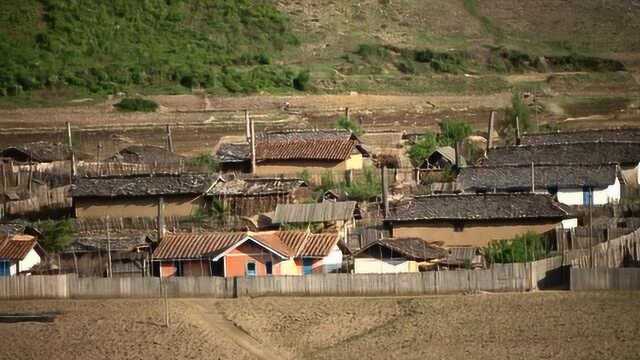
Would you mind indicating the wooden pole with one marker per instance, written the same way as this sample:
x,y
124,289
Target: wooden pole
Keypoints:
x,y
73,156
29,184
517,131
4,178
533,178
385,192
109,266
160,219
490,135
170,140
247,125
591,227
253,147
347,113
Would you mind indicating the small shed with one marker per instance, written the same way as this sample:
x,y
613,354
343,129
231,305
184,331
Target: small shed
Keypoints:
x,y
396,255
441,158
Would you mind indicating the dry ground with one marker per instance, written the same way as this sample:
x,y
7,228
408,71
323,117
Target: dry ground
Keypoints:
x,y
549,325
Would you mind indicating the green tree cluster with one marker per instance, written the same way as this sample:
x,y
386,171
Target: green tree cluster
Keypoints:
x,y
526,247
451,132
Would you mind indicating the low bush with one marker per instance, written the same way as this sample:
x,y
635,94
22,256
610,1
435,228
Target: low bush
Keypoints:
x,y
348,124
522,248
137,104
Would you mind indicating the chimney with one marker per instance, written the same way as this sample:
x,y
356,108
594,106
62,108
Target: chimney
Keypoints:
x,y
385,193
517,131
161,227
490,137
247,125
253,146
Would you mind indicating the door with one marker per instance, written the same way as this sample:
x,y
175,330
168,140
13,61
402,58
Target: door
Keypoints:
x,y
307,266
251,269
269,266
5,268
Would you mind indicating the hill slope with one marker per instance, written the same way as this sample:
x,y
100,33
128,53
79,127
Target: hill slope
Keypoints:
x,y
248,46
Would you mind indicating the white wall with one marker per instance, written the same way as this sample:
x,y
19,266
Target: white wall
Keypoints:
x,y
333,261
32,259
375,266
570,223
608,195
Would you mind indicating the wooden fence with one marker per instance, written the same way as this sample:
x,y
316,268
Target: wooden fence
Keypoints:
x,y
605,279
42,199
505,277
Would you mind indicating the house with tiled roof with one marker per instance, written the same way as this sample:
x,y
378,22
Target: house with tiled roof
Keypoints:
x,y
231,254
476,219
397,255
581,136
572,184
19,252
291,152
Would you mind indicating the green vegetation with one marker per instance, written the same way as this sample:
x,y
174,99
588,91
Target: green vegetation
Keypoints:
x,y
206,160
137,104
518,113
522,248
56,235
348,124
107,46
451,132
365,187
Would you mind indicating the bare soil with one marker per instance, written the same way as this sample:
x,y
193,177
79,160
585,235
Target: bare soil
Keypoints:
x,y
549,325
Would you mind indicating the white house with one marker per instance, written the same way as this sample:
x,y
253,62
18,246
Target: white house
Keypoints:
x,y
19,253
572,184
395,256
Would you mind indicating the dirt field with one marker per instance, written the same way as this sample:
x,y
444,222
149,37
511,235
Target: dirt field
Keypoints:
x,y
550,325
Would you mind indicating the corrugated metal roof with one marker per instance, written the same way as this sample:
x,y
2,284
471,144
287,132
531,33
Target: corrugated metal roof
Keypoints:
x,y
316,212
16,247
288,243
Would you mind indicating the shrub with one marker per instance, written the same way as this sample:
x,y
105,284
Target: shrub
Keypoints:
x,y
206,160
522,248
422,148
348,124
363,188
452,132
301,82
520,111
56,235
137,104
373,52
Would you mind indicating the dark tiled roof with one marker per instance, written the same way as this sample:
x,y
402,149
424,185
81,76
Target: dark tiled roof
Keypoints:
x,y
410,248
41,151
563,137
146,154
256,186
232,153
16,247
143,185
290,243
518,177
592,153
478,207
120,241
295,145
314,212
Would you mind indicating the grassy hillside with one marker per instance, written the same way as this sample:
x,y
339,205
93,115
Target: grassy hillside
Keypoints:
x,y
249,46
106,45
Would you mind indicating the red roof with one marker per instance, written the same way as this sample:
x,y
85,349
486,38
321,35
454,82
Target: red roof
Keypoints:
x,y
287,243
16,247
336,149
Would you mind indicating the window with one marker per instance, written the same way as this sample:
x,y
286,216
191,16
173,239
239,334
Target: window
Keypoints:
x,y
307,266
179,268
5,268
251,269
269,266
458,226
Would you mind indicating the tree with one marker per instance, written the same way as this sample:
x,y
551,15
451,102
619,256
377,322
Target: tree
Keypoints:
x,y
423,147
518,110
56,235
347,124
452,132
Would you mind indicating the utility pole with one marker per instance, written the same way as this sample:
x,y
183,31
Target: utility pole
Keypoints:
x,y
517,131
253,147
347,113
385,193
160,221
490,135
109,267
591,227
533,178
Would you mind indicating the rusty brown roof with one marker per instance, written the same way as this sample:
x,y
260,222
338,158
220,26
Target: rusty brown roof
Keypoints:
x,y
336,149
16,247
203,245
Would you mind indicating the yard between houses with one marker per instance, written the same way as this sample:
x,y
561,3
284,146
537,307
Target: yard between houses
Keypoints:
x,y
542,325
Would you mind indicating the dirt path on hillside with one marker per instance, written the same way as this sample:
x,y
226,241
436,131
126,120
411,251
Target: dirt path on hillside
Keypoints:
x,y
214,324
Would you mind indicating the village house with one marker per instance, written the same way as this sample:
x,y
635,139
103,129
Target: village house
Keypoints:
x,y
571,184
231,254
117,254
138,196
582,136
254,195
476,219
292,152
397,255
37,152
19,251
339,216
